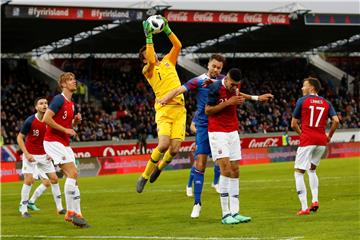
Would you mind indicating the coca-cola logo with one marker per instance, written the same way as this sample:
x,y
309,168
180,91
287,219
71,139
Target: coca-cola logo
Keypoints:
x,y
228,17
276,19
177,16
269,142
203,17
253,18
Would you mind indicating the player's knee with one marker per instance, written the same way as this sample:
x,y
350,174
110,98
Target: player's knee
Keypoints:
x,y
199,164
313,167
54,179
226,172
235,173
163,146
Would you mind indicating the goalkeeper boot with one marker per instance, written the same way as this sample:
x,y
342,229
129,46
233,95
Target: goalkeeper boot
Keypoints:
x,y
141,184
228,219
33,207
155,175
314,206
241,218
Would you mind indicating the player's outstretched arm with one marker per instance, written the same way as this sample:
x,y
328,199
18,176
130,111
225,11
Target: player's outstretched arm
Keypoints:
x,y
173,93
175,50
334,125
295,125
48,119
261,98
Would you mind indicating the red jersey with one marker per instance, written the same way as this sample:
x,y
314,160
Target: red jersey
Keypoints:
x,y
313,112
64,114
34,132
225,120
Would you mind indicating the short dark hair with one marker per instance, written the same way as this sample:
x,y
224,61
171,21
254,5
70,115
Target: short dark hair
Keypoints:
x,y
218,57
235,74
38,99
141,55
314,82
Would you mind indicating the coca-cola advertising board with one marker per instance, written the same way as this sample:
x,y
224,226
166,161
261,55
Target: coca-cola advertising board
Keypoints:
x,y
227,17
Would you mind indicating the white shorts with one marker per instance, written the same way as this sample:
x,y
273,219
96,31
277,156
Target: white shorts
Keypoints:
x,y
59,153
307,155
225,144
41,166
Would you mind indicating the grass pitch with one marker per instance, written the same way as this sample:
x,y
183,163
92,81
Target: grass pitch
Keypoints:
x,y
267,194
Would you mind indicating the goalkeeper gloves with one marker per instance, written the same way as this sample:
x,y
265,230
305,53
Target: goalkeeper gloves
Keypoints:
x,y
148,32
167,29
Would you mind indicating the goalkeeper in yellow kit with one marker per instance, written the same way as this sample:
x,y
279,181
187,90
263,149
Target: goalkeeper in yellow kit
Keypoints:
x,y
170,118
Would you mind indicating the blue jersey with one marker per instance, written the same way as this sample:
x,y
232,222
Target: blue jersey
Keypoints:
x,y
197,84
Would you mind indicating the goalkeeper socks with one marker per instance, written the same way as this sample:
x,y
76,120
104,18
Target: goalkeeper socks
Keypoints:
x,y
234,195
314,185
155,156
224,194
301,189
198,185
166,160
55,188
191,177
37,193
216,174
70,193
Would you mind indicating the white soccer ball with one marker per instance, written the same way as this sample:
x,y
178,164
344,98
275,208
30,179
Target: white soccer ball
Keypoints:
x,y
157,23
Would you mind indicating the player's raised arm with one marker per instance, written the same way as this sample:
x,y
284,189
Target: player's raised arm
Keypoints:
x,y
150,56
175,50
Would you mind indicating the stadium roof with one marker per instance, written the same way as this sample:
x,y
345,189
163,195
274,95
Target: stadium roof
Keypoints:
x,y
21,35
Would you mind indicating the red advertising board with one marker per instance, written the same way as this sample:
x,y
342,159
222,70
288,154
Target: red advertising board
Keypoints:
x,y
123,164
227,17
186,146
8,172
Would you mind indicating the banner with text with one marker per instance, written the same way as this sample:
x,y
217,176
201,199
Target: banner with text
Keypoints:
x,y
226,17
73,13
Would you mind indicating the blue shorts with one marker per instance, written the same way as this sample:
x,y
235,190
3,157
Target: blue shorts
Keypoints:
x,y
202,141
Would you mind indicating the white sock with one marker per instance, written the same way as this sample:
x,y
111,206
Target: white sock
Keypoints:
x,y
224,194
25,192
70,193
314,185
234,195
77,200
37,193
55,188
301,189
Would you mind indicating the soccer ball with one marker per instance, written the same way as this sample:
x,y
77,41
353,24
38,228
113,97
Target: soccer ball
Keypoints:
x,y
157,23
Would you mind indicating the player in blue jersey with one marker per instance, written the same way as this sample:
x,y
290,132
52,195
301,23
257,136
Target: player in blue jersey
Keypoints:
x,y
215,183
199,84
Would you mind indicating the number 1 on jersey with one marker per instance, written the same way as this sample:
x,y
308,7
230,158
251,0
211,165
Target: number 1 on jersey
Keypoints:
x,y
312,110
159,75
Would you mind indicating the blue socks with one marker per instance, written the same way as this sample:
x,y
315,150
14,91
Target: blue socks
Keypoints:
x,y
191,177
198,185
216,174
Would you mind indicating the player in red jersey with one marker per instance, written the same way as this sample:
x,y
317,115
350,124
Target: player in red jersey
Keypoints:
x,y
312,111
35,161
224,96
60,119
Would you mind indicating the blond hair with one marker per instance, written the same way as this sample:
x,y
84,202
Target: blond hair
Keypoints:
x,y
64,77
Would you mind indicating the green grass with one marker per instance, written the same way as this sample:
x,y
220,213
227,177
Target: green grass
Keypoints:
x,y
267,194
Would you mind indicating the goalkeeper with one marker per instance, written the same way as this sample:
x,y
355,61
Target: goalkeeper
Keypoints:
x,y
170,118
